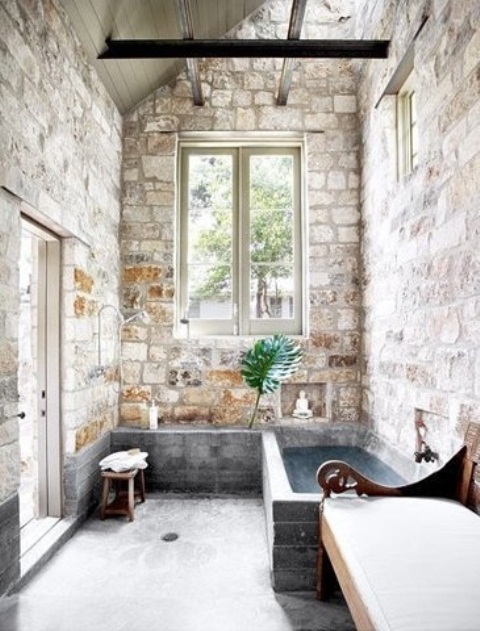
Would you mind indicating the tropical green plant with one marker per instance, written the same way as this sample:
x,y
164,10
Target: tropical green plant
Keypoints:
x,y
270,361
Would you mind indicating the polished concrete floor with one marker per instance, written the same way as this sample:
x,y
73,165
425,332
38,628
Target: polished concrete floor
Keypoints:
x,y
120,576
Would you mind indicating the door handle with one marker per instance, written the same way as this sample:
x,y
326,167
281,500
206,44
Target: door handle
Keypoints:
x,y
21,415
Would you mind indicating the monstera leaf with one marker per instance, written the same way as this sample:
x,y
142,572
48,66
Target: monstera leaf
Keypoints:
x,y
269,362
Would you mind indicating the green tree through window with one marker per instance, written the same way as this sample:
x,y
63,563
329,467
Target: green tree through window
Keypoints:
x,y
241,227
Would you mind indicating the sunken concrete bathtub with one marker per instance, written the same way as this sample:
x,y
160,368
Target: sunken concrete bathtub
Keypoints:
x,y
291,456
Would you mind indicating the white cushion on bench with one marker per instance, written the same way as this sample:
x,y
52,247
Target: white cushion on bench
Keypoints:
x,y
415,561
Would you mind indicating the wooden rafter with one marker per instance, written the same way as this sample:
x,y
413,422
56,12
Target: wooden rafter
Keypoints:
x,y
185,19
267,48
294,31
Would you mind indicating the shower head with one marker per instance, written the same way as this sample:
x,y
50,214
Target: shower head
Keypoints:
x,y
140,315
121,322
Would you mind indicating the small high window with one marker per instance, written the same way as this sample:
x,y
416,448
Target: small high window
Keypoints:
x,y
239,240
407,129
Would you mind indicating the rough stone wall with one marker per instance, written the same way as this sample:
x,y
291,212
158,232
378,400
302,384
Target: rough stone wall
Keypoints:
x,y
421,233
60,148
240,97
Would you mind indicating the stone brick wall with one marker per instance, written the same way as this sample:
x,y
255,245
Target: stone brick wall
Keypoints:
x,y
60,148
421,237
240,97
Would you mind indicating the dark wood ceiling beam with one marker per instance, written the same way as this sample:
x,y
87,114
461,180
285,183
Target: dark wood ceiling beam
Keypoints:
x,y
294,31
184,14
267,48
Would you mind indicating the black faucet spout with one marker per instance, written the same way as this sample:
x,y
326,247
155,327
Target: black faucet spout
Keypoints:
x,y
426,453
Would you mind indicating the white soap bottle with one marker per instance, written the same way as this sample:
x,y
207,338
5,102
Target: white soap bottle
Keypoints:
x,y
153,415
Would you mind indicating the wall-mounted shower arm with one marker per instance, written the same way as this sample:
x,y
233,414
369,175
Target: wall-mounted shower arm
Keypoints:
x,y
121,322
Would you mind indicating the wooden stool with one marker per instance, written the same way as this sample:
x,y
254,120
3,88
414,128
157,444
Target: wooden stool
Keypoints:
x,y
125,499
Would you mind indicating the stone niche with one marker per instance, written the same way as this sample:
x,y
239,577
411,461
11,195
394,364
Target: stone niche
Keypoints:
x,y
316,393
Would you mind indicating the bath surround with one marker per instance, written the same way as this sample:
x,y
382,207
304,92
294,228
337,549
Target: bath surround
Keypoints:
x,y
198,460
292,518
215,462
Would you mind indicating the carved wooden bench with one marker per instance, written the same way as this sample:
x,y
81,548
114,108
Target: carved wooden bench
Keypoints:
x,y
406,558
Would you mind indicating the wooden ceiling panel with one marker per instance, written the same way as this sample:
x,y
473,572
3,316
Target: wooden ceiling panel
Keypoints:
x,y
115,19
130,81
89,33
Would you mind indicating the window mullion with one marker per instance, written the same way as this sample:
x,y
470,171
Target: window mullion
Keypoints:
x,y
244,237
297,244
183,235
236,242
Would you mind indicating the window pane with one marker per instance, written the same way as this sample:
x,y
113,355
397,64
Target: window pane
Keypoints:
x,y
271,209
271,181
210,181
414,145
271,291
209,292
407,130
413,108
271,236
210,226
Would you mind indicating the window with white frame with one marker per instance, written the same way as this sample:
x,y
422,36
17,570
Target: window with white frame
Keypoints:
x,y
240,239
407,129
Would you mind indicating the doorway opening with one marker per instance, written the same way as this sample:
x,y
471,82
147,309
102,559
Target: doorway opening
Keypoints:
x,y
40,492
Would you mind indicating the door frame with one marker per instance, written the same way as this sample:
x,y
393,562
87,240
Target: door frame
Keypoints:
x,y
49,429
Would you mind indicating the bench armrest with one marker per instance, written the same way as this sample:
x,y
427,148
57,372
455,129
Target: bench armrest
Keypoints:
x,y
337,476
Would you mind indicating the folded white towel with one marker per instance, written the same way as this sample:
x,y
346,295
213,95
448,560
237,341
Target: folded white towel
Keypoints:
x,y
124,461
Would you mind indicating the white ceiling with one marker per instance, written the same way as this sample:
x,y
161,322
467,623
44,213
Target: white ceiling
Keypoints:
x,y
130,80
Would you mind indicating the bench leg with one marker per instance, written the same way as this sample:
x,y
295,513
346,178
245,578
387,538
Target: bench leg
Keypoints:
x,y
325,573
105,495
131,499
141,485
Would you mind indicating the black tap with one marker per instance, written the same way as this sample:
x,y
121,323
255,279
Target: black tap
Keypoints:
x,y
426,454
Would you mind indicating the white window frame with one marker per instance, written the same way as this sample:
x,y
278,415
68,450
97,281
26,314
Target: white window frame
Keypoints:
x,y
407,128
241,323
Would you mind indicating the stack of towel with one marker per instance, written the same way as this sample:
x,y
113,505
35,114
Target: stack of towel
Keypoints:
x,y
125,461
